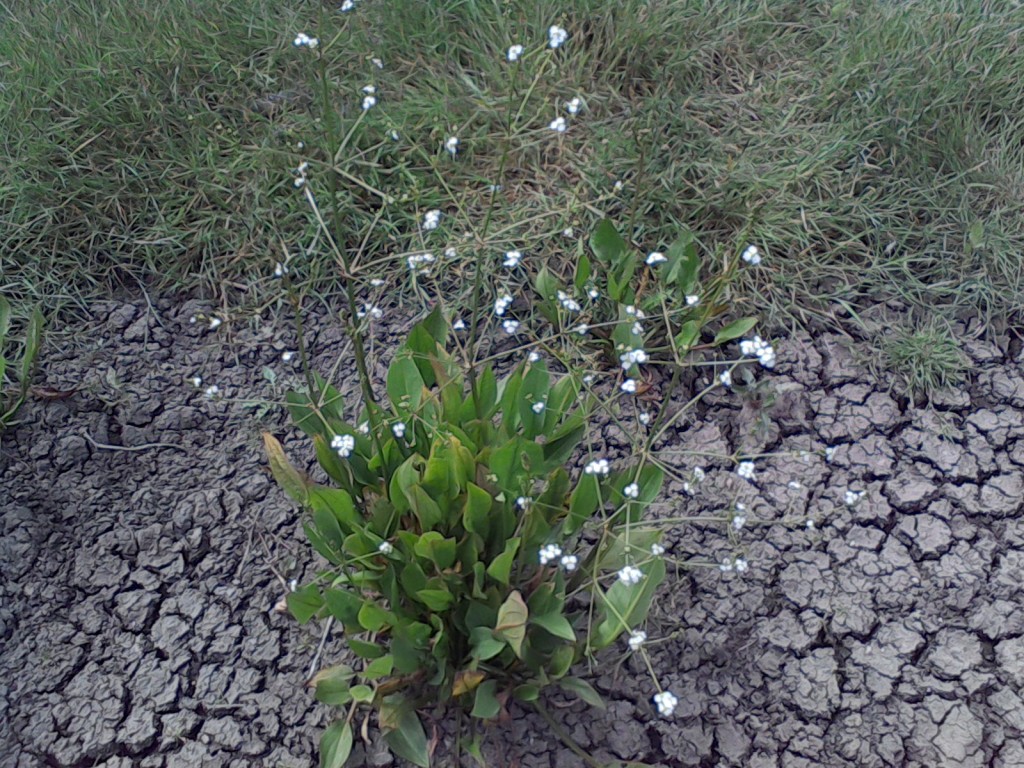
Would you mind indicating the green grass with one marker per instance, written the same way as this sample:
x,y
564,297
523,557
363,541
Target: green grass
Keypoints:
x,y
926,360
872,149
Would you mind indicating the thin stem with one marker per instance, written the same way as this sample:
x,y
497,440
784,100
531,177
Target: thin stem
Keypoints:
x,y
564,737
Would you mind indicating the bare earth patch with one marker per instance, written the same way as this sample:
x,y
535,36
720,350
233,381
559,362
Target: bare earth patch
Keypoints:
x,y
136,601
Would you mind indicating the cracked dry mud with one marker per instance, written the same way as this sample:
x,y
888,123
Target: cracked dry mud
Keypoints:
x,y
136,615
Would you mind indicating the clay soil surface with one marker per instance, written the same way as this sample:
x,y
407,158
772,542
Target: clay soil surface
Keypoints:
x,y
144,547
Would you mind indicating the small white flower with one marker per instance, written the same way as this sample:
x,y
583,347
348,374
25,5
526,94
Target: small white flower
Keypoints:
x,y
759,348
588,379
193,319
830,453
452,145
378,63
212,391
593,293
538,407
745,469
533,357
852,497
369,101
394,135
569,563
514,52
738,520
458,324
637,638
666,703
632,357
197,381
569,232
617,186
645,418
280,270
364,428
657,549
299,183
558,125
523,502
512,259
431,219
692,300
656,257
573,106
793,485
630,574
302,40
502,303
376,282
556,36
347,6
371,89
810,524
628,386
582,329
420,262
637,329
751,255
510,326
344,445
631,491
300,145
726,378
385,548
597,467
741,565
726,565
398,429
698,474
549,553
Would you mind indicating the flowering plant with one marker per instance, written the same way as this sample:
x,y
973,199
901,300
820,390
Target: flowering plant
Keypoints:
x,y
14,380
453,534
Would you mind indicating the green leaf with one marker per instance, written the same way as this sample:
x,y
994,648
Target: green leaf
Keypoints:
x,y
404,383
556,624
583,503
734,330
332,685
624,606
477,510
501,567
486,705
683,264
336,744
5,318
608,245
527,692
407,475
305,602
485,645
362,693
379,668
582,689
426,510
372,617
688,335
435,599
364,649
403,731
582,272
33,340
343,605
512,618
287,476
436,548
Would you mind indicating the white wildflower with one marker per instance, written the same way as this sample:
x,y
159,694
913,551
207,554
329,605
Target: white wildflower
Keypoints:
x,y
558,125
573,106
458,324
398,429
197,381
420,262
280,270
726,378
699,474
569,563
347,6
514,52
617,186
593,293
637,638
523,502
556,36
549,553
364,428
657,549
645,418
830,453
666,703
369,101
759,348
212,391
215,322
741,565
452,145
376,282
533,357
745,470
568,303
852,497
385,548
655,257
302,40
510,326
344,445
512,259
794,485
692,300
631,491
752,255
632,357
569,232
630,574
628,386
431,219
502,303
582,329
538,407
726,565
597,467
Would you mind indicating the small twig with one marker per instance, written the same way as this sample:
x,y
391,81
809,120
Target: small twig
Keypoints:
x,y
143,447
320,648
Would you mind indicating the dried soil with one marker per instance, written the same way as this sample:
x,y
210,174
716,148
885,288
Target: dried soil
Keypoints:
x,y
144,548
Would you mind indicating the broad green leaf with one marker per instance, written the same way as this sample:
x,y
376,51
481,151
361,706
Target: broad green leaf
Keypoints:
x,y
477,510
364,649
512,618
344,606
485,645
501,566
608,245
583,503
466,681
683,264
33,340
5,317
407,475
527,692
734,330
362,693
486,705
332,685
336,744
561,660
404,383
619,553
435,599
379,668
582,272
287,476
436,548
403,731
305,602
688,335
426,510
372,617
624,606
546,284
584,690
556,624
